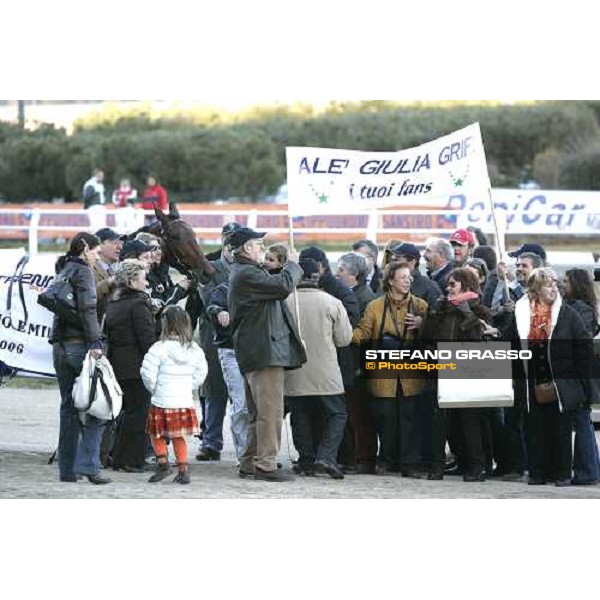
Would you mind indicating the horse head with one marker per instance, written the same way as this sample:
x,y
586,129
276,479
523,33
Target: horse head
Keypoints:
x,y
180,248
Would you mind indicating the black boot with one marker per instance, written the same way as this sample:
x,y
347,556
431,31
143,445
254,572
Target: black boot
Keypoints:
x,y
163,469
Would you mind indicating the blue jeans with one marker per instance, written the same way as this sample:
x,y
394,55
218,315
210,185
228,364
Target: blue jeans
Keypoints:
x,y
238,417
78,442
586,462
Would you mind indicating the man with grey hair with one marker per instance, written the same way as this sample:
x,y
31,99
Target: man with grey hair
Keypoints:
x,y
439,257
360,428
352,270
370,251
266,341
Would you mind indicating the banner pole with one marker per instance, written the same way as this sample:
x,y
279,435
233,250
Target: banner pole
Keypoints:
x,y
500,241
295,292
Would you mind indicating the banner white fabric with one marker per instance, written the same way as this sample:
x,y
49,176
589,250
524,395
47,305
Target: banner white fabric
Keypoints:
x,y
532,211
326,180
25,326
476,383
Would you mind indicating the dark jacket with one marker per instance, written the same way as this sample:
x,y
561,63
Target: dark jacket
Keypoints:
x,y
214,384
426,289
364,294
376,283
130,329
570,353
84,285
586,312
452,323
162,286
441,278
264,331
338,289
217,302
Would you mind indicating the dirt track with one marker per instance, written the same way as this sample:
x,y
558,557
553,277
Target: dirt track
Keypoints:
x,y
29,431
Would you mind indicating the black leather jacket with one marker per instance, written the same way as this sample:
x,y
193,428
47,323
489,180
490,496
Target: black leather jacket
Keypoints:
x,y
84,284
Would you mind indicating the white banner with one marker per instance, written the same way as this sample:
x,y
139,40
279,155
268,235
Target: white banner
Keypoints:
x,y
532,211
25,326
326,180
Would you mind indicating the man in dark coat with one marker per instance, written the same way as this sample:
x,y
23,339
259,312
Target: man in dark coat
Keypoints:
x,y
266,341
214,389
359,446
439,256
374,274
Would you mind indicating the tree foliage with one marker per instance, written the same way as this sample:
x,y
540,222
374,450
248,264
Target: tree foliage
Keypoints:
x,y
206,154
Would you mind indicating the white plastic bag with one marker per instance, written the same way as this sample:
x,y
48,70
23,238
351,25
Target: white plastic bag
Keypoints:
x,y
96,391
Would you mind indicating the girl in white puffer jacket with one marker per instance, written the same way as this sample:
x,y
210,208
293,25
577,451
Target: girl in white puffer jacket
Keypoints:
x,y
172,368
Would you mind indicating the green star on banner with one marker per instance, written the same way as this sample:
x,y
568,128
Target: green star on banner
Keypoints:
x,y
458,183
322,199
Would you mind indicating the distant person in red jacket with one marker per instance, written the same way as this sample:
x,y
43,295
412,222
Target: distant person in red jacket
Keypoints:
x,y
155,196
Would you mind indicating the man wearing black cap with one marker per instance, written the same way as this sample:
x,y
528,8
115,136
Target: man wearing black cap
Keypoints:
x,y
421,287
533,248
110,247
137,249
227,230
266,341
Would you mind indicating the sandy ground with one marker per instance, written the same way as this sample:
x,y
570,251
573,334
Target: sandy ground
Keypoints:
x,y
29,432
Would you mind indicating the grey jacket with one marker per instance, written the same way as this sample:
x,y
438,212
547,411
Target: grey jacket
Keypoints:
x,y
264,331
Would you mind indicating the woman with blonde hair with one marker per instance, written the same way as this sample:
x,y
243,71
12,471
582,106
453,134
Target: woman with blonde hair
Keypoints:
x,y
556,377
131,332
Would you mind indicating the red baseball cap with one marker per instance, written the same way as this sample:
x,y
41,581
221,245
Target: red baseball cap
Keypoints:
x,y
462,237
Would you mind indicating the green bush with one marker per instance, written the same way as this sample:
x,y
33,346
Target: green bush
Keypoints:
x,y
202,154
581,171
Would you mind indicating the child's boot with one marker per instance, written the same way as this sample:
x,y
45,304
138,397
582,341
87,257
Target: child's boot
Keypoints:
x,y
163,469
183,476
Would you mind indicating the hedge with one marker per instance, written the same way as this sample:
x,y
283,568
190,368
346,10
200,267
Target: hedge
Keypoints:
x,y
204,156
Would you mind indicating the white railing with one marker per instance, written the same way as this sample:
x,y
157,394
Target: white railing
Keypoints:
x,y
373,229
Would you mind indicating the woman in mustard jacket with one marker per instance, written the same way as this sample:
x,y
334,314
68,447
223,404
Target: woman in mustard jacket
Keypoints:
x,y
392,321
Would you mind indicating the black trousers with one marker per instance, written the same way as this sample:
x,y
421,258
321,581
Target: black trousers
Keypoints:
x,y
318,424
398,426
549,441
130,436
470,421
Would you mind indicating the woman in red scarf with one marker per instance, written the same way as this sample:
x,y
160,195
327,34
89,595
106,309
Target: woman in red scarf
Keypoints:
x,y
460,318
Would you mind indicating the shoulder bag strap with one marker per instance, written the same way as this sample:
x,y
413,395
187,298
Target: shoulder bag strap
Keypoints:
x,y
385,308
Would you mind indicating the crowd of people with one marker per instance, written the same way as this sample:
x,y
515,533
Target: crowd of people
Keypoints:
x,y
280,332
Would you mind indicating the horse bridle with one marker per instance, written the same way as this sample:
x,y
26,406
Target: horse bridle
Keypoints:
x,y
179,264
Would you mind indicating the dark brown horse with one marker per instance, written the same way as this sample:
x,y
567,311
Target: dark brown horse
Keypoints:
x,y
179,245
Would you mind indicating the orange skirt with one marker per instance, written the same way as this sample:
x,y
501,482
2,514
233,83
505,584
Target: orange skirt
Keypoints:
x,y
171,422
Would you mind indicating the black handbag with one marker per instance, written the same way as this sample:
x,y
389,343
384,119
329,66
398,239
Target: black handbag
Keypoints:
x,y
60,298
389,341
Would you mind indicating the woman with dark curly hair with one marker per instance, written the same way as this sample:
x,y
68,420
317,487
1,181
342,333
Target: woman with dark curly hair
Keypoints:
x,y
460,318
